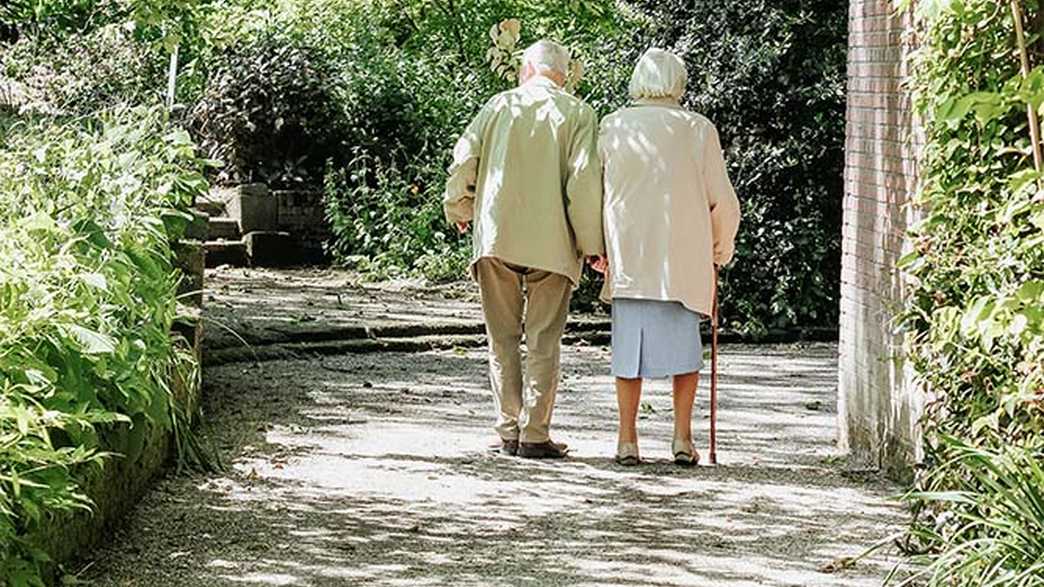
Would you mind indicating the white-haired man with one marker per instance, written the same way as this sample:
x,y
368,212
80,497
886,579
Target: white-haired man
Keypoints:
x,y
526,174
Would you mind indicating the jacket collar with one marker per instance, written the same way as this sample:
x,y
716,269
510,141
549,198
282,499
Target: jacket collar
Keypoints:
x,y
665,102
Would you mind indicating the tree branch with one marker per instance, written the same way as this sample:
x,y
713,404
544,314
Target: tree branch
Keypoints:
x,y
1034,122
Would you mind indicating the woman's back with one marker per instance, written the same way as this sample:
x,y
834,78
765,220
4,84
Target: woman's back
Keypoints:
x,y
664,178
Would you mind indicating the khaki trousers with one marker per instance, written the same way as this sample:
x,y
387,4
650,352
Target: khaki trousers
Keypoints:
x,y
523,405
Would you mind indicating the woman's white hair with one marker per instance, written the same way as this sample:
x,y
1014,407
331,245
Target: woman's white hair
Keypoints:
x,y
659,74
547,55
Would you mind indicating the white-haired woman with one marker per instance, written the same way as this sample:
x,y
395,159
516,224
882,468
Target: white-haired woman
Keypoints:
x,y
671,216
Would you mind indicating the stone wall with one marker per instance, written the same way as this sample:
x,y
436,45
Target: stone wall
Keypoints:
x,y
144,450
878,406
301,213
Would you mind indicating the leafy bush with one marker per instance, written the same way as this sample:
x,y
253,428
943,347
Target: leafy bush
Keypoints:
x,y
975,314
745,73
166,21
992,531
413,75
391,219
771,76
88,212
270,111
83,73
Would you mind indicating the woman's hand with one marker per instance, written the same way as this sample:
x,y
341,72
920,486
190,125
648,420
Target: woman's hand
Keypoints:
x,y
599,263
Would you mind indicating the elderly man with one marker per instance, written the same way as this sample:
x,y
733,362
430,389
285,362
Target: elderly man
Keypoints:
x,y
526,173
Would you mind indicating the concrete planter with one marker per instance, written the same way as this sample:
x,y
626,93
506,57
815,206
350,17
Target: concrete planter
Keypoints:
x,y
254,208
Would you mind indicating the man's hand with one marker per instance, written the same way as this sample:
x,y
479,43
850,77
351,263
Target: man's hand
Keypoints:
x,y
599,263
463,227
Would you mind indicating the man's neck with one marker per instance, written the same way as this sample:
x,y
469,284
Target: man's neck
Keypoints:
x,y
545,78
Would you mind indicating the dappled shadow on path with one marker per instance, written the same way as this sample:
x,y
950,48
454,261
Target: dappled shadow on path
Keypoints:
x,y
374,470
266,306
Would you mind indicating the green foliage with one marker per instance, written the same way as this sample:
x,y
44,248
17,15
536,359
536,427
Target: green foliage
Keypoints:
x,y
993,529
975,315
771,76
85,72
412,75
88,211
386,219
167,22
270,112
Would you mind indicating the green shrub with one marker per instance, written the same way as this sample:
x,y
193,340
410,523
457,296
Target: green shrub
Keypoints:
x,y
85,72
771,76
974,318
992,528
391,219
270,112
413,75
88,211
166,21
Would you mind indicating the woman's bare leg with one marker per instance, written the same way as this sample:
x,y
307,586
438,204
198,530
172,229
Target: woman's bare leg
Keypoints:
x,y
628,396
684,398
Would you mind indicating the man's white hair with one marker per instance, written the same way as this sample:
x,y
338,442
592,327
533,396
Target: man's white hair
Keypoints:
x,y
547,56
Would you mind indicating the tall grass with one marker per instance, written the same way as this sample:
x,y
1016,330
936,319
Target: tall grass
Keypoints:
x,y
992,531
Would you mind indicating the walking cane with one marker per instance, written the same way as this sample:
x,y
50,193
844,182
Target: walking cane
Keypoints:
x,y
714,376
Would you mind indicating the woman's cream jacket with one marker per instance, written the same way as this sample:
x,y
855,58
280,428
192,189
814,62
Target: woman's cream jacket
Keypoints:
x,y
671,213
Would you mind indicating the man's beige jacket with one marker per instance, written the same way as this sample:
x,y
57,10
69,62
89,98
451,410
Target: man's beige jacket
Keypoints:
x,y
526,174
671,213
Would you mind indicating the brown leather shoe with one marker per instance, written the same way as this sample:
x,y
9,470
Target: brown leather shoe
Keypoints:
x,y
542,450
506,447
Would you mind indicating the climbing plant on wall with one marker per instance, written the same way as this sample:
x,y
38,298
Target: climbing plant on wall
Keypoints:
x,y
975,320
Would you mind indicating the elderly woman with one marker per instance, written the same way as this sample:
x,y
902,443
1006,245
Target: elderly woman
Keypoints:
x,y
671,217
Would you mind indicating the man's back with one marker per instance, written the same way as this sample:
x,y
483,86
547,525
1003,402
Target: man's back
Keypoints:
x,y
536,179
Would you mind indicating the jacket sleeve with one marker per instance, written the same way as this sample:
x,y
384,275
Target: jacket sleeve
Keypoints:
x,y
724,205
584,186
459,200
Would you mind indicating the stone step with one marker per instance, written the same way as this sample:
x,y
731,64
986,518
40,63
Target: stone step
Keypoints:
x,y
272,249
223,228
215,202
232,253
210,207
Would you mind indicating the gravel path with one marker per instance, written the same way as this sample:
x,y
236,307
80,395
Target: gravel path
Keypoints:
x,y
373,469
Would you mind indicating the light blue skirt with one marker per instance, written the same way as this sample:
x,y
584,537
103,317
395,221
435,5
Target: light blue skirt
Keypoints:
x,y
654,339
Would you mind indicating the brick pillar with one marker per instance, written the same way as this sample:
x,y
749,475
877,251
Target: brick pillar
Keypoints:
x,y
877,405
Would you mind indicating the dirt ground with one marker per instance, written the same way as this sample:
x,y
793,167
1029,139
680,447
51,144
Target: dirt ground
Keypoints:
x,y
374,469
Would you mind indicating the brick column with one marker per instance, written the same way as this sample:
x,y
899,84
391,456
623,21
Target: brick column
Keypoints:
x,y
877,405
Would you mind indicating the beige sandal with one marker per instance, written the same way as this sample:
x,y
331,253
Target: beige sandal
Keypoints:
x,y
684,453
627,454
